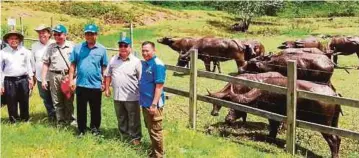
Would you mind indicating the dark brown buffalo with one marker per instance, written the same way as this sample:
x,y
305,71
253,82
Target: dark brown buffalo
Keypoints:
x,y
182,46
253,49
311,67
233,115
310,42
307,110
220,49
344,45
306,50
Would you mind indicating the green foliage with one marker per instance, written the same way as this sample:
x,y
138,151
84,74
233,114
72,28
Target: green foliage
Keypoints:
x,y
110,13
319,9
188,5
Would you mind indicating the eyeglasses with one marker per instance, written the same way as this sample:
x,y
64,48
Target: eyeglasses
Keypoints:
x,y
123,46
57,34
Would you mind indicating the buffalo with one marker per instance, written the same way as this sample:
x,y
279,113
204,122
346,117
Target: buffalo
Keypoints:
x,y
238,89
344,46
221,49
310,42
182,46
308,110
311,67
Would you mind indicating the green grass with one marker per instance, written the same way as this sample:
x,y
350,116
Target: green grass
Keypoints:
x,y
42,139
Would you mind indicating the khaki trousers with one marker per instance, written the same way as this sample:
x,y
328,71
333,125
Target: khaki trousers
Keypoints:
x,y
154,125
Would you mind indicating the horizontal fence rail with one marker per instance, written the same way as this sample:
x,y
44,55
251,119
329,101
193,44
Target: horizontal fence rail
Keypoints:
x,y
269,115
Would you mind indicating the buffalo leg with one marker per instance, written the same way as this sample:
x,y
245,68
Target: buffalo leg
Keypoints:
x,y
334,144
231,117
214,66
219,67
273,131
358,58
207,65
335,59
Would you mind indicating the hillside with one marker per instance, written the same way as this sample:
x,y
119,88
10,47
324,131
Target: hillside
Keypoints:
x,y
39,138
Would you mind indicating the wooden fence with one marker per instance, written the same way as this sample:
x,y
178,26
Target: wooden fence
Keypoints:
x,y
291,92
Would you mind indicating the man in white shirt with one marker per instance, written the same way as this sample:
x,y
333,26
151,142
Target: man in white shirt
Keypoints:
x,y
124,71
16,76
38,49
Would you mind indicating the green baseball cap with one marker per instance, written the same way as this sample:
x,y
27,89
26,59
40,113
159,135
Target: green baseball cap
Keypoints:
x,y
91,28
60,29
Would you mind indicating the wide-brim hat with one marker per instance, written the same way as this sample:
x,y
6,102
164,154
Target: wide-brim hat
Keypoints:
x,y
7,35
43,27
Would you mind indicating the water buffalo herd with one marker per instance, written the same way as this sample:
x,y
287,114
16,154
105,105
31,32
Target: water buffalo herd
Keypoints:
x,y
314,71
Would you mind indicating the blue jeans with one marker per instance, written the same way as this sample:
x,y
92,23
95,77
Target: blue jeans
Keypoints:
x,y
46,97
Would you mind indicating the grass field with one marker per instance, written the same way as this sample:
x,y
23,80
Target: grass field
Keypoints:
x,y
39,138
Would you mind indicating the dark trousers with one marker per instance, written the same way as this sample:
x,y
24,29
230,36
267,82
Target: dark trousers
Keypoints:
x,y
93,97
17,93
129,118
47,100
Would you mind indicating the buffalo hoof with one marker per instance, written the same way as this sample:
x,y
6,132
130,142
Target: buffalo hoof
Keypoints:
x,y
214,113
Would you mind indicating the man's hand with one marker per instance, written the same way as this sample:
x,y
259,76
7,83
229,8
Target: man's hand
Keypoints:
x,y
2,90
44,85
152,110
31,84
108,92
72,85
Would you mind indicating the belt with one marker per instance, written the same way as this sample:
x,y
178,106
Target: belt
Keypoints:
x,y
16,78
59,71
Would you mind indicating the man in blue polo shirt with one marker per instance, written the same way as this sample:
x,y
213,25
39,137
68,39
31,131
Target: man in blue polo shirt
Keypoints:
x,y
90,60
152,97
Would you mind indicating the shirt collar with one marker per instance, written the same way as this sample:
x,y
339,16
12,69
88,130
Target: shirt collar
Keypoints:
x,y
11,49
130,56
66,45
151,60
95,46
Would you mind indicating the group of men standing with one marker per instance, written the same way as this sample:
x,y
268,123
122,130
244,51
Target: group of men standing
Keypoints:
x,y
51,63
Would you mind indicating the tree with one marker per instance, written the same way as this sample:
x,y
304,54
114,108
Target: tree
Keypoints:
x,y
246,10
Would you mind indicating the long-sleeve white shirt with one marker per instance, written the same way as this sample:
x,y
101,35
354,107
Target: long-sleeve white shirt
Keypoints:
x,y
15,62
38,50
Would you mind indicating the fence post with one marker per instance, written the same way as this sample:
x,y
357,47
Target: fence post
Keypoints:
x,y
51,22
131,36
291,105
193,89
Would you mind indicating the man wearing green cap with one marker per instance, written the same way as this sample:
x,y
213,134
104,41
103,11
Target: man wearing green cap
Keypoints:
x,y
55,61
16,76
38,49
124,71
89,58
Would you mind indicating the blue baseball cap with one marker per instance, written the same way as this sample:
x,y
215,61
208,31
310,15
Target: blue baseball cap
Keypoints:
x,y
91,28
125,40
60,29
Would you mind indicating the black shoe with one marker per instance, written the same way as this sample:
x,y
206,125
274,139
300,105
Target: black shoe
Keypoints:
x,y
95,132
80,134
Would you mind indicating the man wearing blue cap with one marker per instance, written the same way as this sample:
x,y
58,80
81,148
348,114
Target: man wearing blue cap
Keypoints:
x,y
56,69
124,71
89,58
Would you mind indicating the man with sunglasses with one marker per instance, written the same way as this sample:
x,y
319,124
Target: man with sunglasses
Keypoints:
x,y
38,49
89,58
55,62
124,71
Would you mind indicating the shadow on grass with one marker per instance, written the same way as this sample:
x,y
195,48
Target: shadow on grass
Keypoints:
x,y
180,74
254,132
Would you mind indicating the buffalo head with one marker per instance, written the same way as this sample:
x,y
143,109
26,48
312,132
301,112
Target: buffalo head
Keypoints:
x,y
166,40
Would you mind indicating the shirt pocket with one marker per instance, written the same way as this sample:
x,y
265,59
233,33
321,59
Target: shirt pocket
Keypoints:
x,y
96,58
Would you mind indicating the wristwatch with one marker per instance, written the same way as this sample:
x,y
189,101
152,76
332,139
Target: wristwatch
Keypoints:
x,y
153,105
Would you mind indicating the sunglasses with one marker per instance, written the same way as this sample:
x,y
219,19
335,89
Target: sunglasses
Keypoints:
x,y
123,46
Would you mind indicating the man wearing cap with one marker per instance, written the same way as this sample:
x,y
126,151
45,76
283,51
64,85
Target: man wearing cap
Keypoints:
x,y
89,58
124,71
16,76
152,97
38,49
56,63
